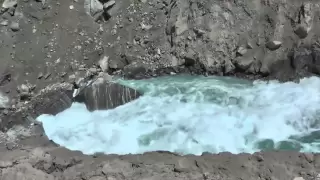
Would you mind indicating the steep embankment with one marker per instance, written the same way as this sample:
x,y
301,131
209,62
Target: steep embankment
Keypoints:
x,y
45,42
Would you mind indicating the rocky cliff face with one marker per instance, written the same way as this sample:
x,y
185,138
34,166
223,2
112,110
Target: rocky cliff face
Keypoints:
x,y
258,37
45,42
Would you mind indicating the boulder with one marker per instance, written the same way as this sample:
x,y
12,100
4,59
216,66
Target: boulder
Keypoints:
x,y
133,70
273,45
93,7
102,95
243,63
9,4
301,31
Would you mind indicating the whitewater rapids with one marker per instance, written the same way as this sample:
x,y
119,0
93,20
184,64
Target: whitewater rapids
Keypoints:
x,y
195,114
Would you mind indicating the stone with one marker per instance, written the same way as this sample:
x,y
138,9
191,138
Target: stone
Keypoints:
x,y
185,165
241,51
5,78
93,7
117,64
25,96
5,164
189,59
40,75
298,178
133,70
93,70
15,26
23,88
116,166
228,66
301,31
97,178
243,63
103,95
4,23
109,4
103,63
105,76
273,45
3,101
301,58
9,3
55,100
24,171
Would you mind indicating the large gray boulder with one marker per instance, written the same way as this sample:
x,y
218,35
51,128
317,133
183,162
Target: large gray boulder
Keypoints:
x,y
102,95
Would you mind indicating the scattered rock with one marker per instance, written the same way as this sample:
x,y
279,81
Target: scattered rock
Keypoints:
x,y
117,64
47,75
185,165
241,51
103,63
15,26
6,164
273,45
301,31
24,88
298,178
133,70
4,23
93,7
116,166
40,75
9,3
5,78
189,59
199,32
243,63
109,5
28,173
228,66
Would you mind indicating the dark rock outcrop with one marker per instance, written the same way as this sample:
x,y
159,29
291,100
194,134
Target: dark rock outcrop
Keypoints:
x,y
51,100
105,95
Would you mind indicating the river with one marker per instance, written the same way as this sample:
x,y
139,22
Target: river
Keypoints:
x,y
196,114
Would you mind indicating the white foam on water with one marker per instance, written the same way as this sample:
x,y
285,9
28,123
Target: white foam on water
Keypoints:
x,y
192,115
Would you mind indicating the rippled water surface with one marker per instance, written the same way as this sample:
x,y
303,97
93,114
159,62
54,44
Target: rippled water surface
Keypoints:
x,y
195,114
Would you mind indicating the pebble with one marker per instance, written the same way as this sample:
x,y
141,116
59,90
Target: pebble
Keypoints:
x,y
4,23
15,26
109,4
